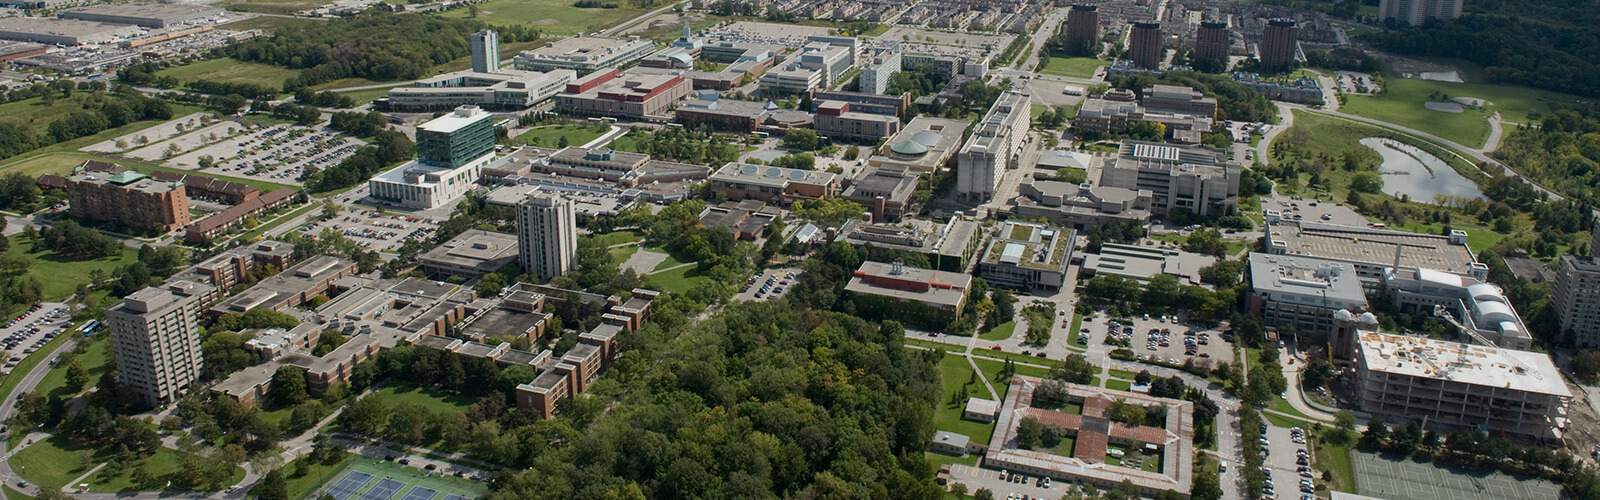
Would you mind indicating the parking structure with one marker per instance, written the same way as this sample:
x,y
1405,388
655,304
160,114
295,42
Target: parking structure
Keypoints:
x,y
1160,338
30,331
280,153
374,231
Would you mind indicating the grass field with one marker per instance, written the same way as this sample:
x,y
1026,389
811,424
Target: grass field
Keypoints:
x,y
366,96
1119,385
60,277
230,70
679,280
34,113
672,260
553,17
267,23
954,372
550,136
163,465
96,358
1000,332
53,462
617,237
396,392
1075,67
1401,104
621,254
64,162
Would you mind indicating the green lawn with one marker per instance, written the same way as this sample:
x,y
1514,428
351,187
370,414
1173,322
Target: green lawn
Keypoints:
x,y
618,237
266,23
53,462
1334,458
317,474
1118,385
1403,98
96,357
672,260
282,7
627,142
1074,330
1000,332
954,372
60,277
35,114
396,392
366,96
64,162
1064,448
621,254
230,70
1075,67
679,280
550,136
1333,136
163,465
552,17
1122,374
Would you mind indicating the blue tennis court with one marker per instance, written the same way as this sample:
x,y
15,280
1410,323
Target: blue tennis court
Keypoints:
x,y
383,490
349,484
420,493
456,497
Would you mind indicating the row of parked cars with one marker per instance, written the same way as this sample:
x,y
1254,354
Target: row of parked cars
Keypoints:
x,y
1308,484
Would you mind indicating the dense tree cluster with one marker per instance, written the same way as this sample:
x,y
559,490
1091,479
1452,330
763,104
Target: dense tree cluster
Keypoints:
x,y
358,124
1344,58
388,148
1562,154
1548,45
72,241
700,147
378,46
919,80
94,114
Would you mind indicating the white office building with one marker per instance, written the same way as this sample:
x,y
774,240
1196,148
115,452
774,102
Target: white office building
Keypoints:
x,y
451,153
547,234
993,147
875,75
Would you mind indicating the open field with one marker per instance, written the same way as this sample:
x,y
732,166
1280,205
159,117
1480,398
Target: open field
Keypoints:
x,y
1000,332
96,358
230,70
396,392
1075,67
367,95
64,162
554,17
550,136
283,7
679,280
1403,98
954,373
267,23
60,277
34,113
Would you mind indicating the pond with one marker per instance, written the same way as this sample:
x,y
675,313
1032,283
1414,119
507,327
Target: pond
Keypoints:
x,y
1408,170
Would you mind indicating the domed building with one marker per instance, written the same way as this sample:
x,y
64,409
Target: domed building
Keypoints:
x,y
923,146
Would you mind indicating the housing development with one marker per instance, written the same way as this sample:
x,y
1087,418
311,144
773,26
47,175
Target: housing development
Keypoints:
x,y
1021,249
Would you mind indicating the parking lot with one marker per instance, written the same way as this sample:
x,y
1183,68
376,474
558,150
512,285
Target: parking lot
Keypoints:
x,y
27,333
1301,208
279,153
383,233
768,284
1164,338
1288,465
1005,485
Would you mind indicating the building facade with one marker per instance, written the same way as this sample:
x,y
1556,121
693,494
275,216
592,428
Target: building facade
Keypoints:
x,y
837,120
1083,23
1577,299
451,153
485,51
922,297
128,197
614,93
584,54
993,147
155,337
547,235
1195,178
875,75
1303,293
1144,45
1278,42
777,185
1211,41
1028,255
1416,12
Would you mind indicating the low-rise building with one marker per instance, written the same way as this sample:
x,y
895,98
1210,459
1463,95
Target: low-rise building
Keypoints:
x,y
836,120
950,246
614,93
980,410
728,115
1474,306
1303,293
65,32
149,15
926,144
502,89
1141,263
584,54
197,186
1180,99
886,191
920,297
1299,90
777,185
471,254
748,219
1198,179
1082,207
294,286
217,224
128,197
1028,255
1371,250
862,102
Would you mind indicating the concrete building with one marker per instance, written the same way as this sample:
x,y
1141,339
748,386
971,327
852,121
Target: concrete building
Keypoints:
x,y
1517,394
818,64
950,246
776,185
1141,263
218,224
451,153
993,147
11,51
547,235
1211,41
1299,90
1279,43
1028,255
875,74
66,32
1576,300
980,410
1083,23
1474,307
729,115
1196,178
485,51
1417,12
149,15
861,102
291,288
747,220
926,144
500,89
1084,416
1180,99
1371,250
1304,293
1144,45
836,120
155,337
1082,207
1114,116
921,297
584,54
614,93
886,191
469,255
128,197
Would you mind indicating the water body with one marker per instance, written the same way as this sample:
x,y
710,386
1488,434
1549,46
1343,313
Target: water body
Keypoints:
x,y
1408,170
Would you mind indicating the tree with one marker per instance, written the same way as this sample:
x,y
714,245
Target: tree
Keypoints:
x,y
1075,369
77,376
1316,374
1224,273
803,139
959,489
983,494
1585,365
367,415
1029,433
289,386
1344,421
1366,182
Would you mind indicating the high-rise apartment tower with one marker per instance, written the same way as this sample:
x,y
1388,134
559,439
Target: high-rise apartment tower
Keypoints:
x,y
1083,23
155,337
485,51
1416,12
1144,45
547,234
1211,41
1278,41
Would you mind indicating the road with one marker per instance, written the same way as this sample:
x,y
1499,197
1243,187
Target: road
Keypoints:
x,y
24,386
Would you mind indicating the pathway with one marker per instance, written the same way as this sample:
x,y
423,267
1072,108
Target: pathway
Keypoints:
x,y
679,266
1495,130
1265,146
24,386
609,136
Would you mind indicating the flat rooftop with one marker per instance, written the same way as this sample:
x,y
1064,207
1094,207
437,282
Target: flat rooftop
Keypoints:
x,y
58,27
583,48
1463,363
455,120
1300,275
147,10
948,288
777,176
473,248
1373,247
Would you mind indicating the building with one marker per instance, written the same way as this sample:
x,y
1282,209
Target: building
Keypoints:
x,y
1451,385
1473,306
155,337
1028,255
861,102
1144,45
609,179
127,197
1083,414
212,189
776,185
291,288
1300,90
614,93
11,51
818,64
1576,299
1304,293
485,51
1111,114
925,145
469,255
729,115
919,297
451,153
1141,263
993,147
1082,207
1195,178
219,223
65,32
1279,44
1211,41
547,235
500,89
1371,250
980,410
149,15
950,443
1179,99
886,191
1417,12
836,120
874,76
747,220
950,246
1083,23
584,54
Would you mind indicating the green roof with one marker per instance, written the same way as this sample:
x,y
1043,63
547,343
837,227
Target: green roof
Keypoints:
x,y
125,178
909,147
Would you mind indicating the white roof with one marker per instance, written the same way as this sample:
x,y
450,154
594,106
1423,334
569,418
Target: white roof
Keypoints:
x,y
461,117
1464,363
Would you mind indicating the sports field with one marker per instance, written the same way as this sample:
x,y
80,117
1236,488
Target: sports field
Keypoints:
x,y
1407,479
372,479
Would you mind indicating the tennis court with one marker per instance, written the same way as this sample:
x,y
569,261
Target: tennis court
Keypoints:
x,y
349,484
420,493
456,497
1408,479
384,489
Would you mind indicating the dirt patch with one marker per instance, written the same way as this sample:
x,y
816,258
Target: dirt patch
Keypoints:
x,y
1446,107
